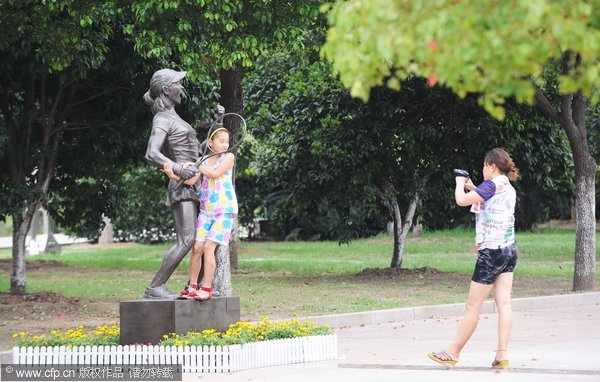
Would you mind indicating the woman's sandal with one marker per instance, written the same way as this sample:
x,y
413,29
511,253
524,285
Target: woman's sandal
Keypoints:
x,y
205,289
443,358
500,364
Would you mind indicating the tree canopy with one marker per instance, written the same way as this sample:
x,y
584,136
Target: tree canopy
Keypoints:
x,y
491,48
497,50
403,141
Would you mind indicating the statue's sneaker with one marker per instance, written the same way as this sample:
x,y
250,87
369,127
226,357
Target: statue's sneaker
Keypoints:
x,y
160,292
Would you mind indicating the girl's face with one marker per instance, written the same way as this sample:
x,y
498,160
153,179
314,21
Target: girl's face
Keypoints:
x,y
220,142
489,171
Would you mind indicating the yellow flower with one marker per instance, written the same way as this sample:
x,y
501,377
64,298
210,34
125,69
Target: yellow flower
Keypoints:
x,y
165,336
15,335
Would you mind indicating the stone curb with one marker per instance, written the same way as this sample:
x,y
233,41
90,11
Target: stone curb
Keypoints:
x,y
422,312
431,311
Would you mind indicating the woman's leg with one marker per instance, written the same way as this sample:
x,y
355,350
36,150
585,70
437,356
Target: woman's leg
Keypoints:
x,y
477,294
184,214
502,296
209,267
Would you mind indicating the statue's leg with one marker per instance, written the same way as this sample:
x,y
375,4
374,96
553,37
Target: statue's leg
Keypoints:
x,y
184,214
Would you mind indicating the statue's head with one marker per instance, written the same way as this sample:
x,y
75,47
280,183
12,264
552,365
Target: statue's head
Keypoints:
x,y
157,97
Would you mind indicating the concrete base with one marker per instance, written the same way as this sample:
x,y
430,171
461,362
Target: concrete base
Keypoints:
x,y
144,321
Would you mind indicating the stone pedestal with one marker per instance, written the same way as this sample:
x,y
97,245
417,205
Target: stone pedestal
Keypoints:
x,y
144,321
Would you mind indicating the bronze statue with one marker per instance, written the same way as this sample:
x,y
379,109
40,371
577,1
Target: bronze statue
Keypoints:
x,y
175,137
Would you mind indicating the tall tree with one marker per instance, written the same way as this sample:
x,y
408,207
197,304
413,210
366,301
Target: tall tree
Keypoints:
x,y
211,38
494,49
57,67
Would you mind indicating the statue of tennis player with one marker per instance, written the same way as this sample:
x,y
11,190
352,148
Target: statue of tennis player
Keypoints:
x,y
173,140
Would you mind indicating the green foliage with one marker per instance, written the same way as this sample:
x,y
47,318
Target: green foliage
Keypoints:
x,y
69,106
47,56
71,113
215,35
298,110
142,214
60,34
491,48
320,151
135,202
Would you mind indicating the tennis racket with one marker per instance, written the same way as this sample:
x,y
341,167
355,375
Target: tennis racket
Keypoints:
x,y
214,126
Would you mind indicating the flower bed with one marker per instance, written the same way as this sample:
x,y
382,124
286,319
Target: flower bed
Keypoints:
x,y
243,346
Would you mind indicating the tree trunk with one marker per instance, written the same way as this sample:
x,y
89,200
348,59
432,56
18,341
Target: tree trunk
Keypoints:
x,y
232,98
584,277
400,232
571,117
21,225
107,234
222,277
397,232
234,249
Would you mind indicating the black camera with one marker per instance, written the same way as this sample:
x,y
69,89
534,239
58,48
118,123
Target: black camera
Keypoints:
x,y
459,172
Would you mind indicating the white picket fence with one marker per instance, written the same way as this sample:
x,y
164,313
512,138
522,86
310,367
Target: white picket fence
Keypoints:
x,y
201,359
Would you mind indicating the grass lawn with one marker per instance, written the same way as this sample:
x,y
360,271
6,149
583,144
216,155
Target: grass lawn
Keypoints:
x,y
287,279
549,253
122,271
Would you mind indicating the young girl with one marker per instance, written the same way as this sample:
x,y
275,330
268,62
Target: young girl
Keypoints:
x,y
218,209
493,202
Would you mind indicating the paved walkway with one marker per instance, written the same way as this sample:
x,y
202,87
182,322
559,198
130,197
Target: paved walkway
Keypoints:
x,y
552,344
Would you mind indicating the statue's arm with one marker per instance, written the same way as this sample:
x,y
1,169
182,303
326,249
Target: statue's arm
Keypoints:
x,y
155,143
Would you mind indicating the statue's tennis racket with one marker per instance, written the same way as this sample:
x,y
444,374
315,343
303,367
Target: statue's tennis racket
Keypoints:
x,y
215,125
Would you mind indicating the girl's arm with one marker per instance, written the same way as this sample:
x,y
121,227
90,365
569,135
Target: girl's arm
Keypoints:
x,y
193,179
168,170
225,165
465,199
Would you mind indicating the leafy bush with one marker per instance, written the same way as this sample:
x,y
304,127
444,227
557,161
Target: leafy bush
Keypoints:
x,y
245,332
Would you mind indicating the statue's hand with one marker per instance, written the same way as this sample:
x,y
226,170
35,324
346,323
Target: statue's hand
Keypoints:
x,y
184,172
219,111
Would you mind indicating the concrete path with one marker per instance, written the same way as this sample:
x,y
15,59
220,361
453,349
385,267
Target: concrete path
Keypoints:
x,y
550,344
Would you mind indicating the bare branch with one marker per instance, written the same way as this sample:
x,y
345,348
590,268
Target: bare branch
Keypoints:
x,y
566,99
547,107
75,104
579,105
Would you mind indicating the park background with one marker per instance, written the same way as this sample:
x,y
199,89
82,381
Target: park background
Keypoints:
x,y
320,172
